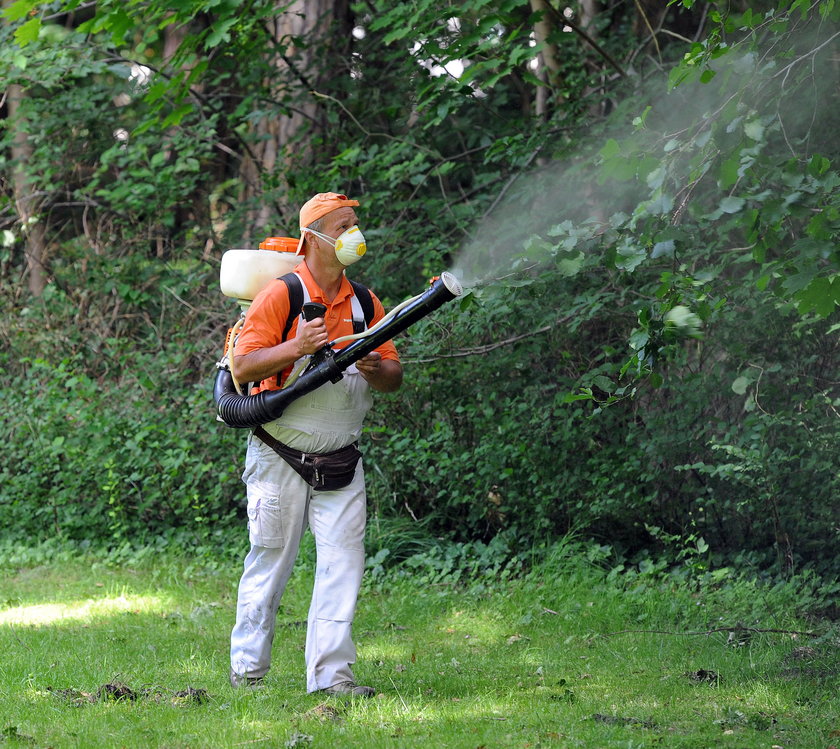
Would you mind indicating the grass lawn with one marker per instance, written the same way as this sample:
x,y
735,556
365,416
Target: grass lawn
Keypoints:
x,y
136,655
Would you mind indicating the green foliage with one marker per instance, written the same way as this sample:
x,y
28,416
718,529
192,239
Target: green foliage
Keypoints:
x,y
92,471
649,339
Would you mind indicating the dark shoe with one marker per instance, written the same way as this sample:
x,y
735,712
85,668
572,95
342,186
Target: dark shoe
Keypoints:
x,y
237,680
349,689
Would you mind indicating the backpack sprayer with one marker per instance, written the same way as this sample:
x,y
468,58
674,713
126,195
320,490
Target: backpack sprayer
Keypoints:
x,y
243,274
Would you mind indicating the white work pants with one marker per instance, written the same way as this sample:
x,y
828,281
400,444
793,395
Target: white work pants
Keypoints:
x,y
280,507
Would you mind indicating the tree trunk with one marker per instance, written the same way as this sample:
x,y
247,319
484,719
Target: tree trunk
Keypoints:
x,y
302,70
173,37
549,67
589,10
27,204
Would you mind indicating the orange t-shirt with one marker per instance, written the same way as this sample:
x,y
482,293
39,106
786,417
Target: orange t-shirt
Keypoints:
x,y
267,315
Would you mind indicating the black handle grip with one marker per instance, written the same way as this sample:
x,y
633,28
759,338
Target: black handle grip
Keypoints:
x,y
311,310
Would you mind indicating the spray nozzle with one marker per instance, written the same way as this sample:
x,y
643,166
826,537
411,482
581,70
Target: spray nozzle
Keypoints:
x,y
452,284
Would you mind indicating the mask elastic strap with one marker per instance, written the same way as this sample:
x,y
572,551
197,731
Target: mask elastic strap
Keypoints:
x,y
318,234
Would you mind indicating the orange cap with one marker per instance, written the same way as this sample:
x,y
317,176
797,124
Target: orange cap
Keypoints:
x,y
279,244
320,205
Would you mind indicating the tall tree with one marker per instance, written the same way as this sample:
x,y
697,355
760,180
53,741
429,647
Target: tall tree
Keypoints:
x,y
549,66
308,45
28,204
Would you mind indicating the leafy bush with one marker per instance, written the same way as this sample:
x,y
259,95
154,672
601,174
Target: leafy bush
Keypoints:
x,y
111,464
650,337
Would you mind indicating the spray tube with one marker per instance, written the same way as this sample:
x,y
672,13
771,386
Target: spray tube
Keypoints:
x,y
250,411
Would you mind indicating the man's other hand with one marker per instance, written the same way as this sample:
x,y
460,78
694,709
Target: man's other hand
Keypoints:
x,y
385,376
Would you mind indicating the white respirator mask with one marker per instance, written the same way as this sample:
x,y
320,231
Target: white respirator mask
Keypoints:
x,y
349,245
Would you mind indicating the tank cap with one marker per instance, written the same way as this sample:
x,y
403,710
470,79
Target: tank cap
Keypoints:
x,y
279,244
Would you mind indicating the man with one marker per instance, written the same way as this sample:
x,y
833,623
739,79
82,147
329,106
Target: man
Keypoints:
x,y
280,502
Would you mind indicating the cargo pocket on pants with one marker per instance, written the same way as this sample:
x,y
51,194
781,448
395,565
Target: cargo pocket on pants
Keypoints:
x,y
265,516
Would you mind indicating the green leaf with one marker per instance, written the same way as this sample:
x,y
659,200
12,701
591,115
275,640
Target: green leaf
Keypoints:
x,y
585,394
639,122
682,318
728,174
754,129
659,206
571,265
119,23
604,383
799,281
610,149
802,5
731,204
520,54
400,32
18,10
655,178
629,255
663,249
818,165
175,117
618,168
741,384
639,339
219,32
468,302
28,32
819,296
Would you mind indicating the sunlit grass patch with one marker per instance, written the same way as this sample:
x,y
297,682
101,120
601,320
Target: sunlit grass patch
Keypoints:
x,y
139,656
89,610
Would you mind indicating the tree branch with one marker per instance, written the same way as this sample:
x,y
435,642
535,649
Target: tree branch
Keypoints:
x,y
370,133
563,21
650,29
493,346
809,53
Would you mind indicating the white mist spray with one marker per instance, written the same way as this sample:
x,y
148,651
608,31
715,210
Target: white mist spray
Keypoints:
x,y
545,219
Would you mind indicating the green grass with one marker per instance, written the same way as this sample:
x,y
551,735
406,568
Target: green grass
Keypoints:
x,y
541,660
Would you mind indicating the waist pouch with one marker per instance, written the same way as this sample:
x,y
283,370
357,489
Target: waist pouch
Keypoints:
x,y
322,471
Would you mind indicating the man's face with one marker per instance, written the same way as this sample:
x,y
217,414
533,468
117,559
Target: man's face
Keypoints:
x,y
338,221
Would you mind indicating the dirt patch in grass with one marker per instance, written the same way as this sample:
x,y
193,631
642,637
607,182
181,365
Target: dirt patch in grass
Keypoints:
x,y
116,691
323,712
616,720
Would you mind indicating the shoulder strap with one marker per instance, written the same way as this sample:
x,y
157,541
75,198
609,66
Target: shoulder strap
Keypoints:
x,y
362,293
295,287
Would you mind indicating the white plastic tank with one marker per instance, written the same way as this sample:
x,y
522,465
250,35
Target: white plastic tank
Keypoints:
x,y
244,273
